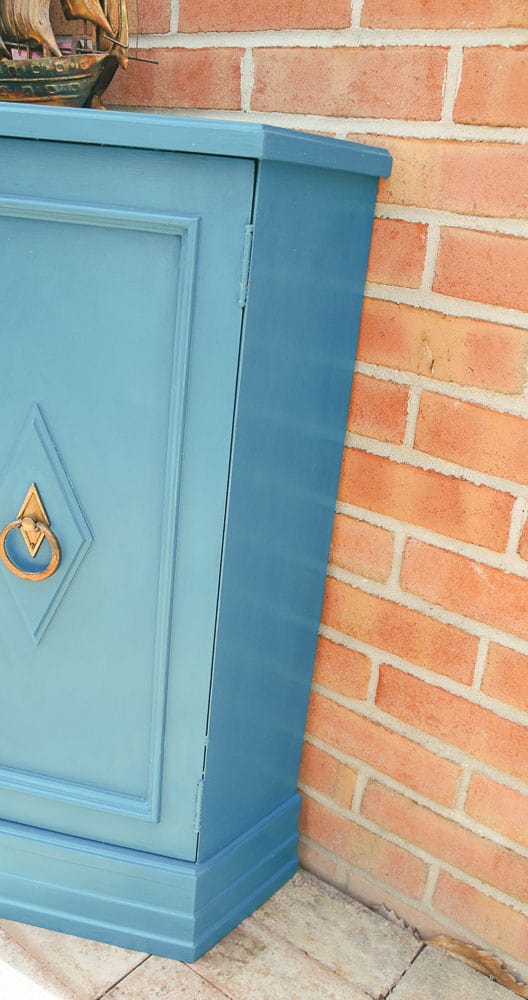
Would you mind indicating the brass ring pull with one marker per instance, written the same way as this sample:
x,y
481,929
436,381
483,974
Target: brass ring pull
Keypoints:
x,y
30,525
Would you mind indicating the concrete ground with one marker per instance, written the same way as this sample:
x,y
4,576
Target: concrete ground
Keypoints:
x,y
309,942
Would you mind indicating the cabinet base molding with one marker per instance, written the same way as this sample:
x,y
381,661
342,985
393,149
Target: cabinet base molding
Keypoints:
x,y
138,900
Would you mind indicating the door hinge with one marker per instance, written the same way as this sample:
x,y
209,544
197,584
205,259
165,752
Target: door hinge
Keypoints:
x,y
198,806
246,264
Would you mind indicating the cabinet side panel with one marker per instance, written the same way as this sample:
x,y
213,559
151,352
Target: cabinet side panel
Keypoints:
x,y
312,235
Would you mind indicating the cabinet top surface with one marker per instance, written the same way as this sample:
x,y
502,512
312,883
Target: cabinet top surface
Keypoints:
x,y
186,135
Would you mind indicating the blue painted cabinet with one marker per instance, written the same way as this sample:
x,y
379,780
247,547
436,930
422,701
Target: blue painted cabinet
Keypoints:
x,y
180,311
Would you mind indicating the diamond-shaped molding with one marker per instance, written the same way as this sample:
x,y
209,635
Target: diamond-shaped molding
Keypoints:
x,y
35,459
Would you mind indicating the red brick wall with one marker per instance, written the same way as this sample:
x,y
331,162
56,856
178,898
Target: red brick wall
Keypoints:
x,y
415,772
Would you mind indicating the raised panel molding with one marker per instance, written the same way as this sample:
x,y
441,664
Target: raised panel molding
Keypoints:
x,y
37,618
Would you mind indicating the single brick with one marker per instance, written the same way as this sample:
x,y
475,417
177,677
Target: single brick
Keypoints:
x,y
182,78
366,850
238,15
388,752
454,176
523,541
397,253
494,922
378,409
492,89
485,267
501,808
447,841
327,775
444,504
341,670
466,351
470,588
361,548
367,81
444,14
506,676
455,720
474,436
389,626
149,17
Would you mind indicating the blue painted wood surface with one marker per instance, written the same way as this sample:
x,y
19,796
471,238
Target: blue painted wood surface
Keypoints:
x,y
141,900
219,138
312,236
154,691
135,336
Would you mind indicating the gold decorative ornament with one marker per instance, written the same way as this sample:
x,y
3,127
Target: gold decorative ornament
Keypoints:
x,y
64,57
33,508
34,526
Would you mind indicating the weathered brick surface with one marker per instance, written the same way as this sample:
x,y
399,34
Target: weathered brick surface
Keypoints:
x,y
477,731
506,676
495,922
388,626
523,541
361,548
378,409
374,854
444,14
181,78
326,866
450,348
343,670
150,17
388,752
363,82
470,588
450,506
473,436
377,895
493,87
397,253
238,15
472,178
447,841
485,267
501,808
328,775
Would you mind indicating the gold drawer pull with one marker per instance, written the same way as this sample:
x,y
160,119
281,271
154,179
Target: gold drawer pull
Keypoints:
x,y
29,525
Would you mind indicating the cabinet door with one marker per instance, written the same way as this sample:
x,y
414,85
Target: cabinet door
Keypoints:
x,y
119,275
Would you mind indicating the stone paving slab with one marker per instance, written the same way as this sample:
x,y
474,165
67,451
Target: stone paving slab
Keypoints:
x,y
437,976
355,942
69,967
253,962
23,978
161,979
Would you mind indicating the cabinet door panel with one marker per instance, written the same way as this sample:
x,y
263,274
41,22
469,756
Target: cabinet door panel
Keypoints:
x,y
119,275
